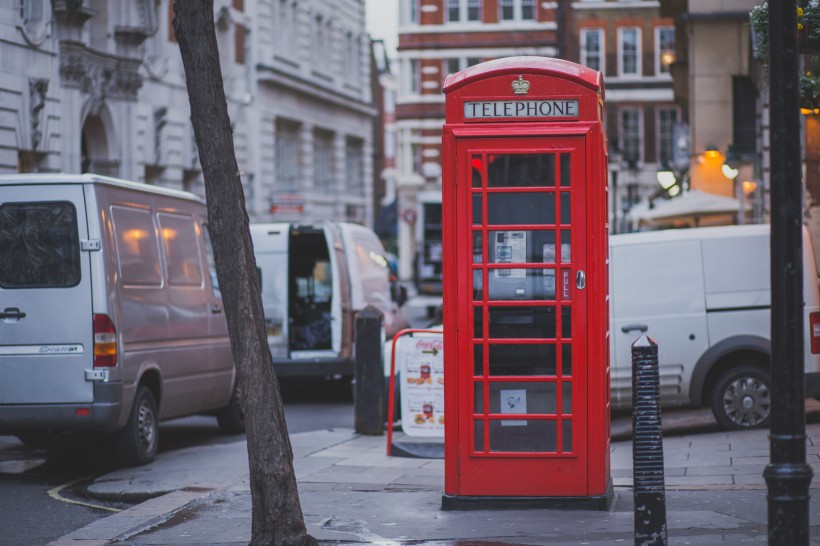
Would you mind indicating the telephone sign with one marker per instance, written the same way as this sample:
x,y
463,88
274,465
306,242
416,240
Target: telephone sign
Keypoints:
x,y
525,285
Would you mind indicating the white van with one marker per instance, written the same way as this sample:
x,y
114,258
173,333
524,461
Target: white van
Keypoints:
x,y
315,278
704,296
110,316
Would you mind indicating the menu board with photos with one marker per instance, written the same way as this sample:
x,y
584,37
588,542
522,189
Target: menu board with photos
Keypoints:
x,y
420,367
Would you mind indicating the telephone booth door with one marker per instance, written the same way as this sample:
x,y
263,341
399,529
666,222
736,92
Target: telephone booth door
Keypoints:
x,y
522,321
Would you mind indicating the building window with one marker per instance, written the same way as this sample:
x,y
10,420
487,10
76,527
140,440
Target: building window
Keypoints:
x,y
323,172
31,11
281,25
293,42
351,59
318,42
630,135
329,45
528,10
32,20
472,61
592,48
463,10
516,10
474,10
414,76
665,49
453,10
288,28
629,51
287,155
415,157
506,10
354,171
667,118
411,143
413,11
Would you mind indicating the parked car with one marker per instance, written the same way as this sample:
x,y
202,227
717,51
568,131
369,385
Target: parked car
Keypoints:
x,y
315,278
704,296
110,316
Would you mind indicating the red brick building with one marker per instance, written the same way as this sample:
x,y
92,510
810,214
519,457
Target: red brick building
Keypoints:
x,y
627,40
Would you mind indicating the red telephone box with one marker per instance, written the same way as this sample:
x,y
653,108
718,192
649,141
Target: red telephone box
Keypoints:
x,y
525,286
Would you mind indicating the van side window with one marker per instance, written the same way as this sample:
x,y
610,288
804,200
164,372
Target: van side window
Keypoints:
x,y
179,240
39,245
209,252
137,248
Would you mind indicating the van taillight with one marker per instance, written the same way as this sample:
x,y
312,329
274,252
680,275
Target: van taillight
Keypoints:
x,y
814,325
105,342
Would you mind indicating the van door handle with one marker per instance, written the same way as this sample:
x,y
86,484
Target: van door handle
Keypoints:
x,y
632,327
216,309
12,313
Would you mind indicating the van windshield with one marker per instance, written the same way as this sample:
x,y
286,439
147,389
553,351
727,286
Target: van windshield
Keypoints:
x,y
39,245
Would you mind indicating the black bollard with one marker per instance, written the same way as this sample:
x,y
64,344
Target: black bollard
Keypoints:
x,y
369,392
647,446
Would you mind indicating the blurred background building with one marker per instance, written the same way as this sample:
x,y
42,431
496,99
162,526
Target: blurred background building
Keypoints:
x,y
98,86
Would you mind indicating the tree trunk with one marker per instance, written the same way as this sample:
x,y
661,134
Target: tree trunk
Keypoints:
x,y
277,513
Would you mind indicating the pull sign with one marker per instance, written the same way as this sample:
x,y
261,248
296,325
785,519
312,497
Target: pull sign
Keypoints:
x,y
566,284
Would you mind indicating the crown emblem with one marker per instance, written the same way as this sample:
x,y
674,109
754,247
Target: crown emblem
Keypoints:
x,y
520,86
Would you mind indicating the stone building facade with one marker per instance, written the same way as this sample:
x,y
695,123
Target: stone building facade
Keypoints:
x,y
98,86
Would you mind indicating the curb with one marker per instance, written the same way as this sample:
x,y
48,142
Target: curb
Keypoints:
x,y
136,519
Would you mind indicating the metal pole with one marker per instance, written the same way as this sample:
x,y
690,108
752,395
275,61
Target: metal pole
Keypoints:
x,y
788,476
369,393
649,490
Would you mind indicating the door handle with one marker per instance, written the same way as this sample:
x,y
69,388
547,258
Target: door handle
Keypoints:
x,y
580,280
632,327
12,313
216,309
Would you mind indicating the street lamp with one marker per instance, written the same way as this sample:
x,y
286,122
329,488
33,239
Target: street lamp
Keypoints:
x,y
731,163
669,182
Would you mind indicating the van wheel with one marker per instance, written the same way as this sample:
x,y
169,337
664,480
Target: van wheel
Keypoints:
x,y
231,419
742,398
137,443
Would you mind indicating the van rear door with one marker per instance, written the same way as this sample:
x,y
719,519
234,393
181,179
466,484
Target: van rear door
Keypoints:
x,y
46,332
311,295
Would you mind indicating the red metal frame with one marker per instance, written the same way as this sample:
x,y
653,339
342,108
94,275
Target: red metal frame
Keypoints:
x,y
583,470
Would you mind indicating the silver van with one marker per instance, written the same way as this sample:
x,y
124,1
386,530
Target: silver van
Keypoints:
x,y
315,278
110,315
704,296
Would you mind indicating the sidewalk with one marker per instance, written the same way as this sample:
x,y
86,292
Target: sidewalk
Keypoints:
x,y
352,493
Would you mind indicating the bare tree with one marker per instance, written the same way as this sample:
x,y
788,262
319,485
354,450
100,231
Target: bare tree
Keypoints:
x,y
277,513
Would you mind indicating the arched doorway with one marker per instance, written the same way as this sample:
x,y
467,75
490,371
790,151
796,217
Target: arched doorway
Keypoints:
x,y
95,144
